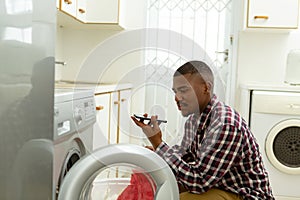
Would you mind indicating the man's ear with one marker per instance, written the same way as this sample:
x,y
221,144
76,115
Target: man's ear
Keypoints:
x,y
208,87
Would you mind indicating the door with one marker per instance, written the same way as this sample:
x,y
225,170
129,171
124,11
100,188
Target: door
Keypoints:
x,y
273,14
146,172
101,127
100,11
180,31
125,113
27,98
114,118
70,7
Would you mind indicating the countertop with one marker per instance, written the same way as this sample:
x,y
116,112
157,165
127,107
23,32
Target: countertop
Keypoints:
x,y
271,87
98,88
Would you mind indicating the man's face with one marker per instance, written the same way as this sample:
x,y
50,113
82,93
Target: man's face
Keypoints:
x,y
190,93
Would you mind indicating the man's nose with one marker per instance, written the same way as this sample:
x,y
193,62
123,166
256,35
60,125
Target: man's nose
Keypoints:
x,y
178,97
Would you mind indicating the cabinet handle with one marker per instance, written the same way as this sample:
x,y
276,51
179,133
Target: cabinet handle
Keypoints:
x,y
122,100
116,102
68,2
261,17
81,10
99,107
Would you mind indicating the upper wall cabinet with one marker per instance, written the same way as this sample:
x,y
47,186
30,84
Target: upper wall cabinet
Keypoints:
x,y
270,14
98,11
107,12
91,11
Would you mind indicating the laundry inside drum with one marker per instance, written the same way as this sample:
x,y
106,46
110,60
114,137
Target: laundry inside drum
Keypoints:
x,y
121,182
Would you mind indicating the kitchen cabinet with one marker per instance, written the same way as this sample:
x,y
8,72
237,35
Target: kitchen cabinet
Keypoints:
x,y
101,14
98,11
69,6
101,127
113,117
91,11
112,124
120,117
124,120
269,14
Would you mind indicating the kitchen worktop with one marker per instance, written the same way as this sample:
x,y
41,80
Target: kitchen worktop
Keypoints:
x,y
97,87
284,87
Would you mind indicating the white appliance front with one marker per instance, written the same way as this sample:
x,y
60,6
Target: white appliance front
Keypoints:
x,y
275,122
74,117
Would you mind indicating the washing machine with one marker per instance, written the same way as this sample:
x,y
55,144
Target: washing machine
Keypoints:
x,y
275,121
116,171
136,173
74,116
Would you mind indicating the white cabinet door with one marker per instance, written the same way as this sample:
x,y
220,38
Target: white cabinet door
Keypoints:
x,y
98,11
273,14
101,127
69,6
114,117
125,113
120,117
81,10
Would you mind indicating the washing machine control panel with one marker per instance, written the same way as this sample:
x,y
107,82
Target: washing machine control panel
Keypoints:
x,y
71,114
84,111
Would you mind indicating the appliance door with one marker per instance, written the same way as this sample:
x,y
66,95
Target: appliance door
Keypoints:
x,y
106,173
283,146
27,43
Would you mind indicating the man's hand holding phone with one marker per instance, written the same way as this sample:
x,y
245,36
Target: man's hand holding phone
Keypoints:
x,y
150,129
145,118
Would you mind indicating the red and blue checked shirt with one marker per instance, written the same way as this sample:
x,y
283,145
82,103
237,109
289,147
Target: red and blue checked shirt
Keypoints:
x,y
218,151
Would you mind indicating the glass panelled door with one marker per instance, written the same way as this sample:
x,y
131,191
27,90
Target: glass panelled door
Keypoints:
x,y
185,30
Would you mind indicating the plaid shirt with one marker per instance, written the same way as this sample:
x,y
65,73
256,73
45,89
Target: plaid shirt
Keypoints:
x,y
218,150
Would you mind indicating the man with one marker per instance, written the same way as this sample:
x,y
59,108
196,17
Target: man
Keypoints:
x,y
218,157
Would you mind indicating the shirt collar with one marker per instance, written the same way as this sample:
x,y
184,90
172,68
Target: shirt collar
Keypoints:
x,y
206,112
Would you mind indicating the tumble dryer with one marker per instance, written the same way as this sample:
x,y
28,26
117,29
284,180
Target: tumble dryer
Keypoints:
x,y
74,116
275,122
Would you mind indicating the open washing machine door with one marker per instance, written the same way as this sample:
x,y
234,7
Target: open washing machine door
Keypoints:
x,y
108,172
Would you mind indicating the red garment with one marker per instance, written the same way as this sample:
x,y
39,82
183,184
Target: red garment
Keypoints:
x,y
141,188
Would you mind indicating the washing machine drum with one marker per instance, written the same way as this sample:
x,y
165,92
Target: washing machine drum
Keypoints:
x,y
120,171
283,146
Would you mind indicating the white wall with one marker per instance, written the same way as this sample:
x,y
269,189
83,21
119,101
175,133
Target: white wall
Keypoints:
x,y
262,57
76,41
74,45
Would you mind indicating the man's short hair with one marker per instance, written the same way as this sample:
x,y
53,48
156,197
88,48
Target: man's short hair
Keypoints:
x,y
197,67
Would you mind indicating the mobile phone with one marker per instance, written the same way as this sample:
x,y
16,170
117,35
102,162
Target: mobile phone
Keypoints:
x,y
147,118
